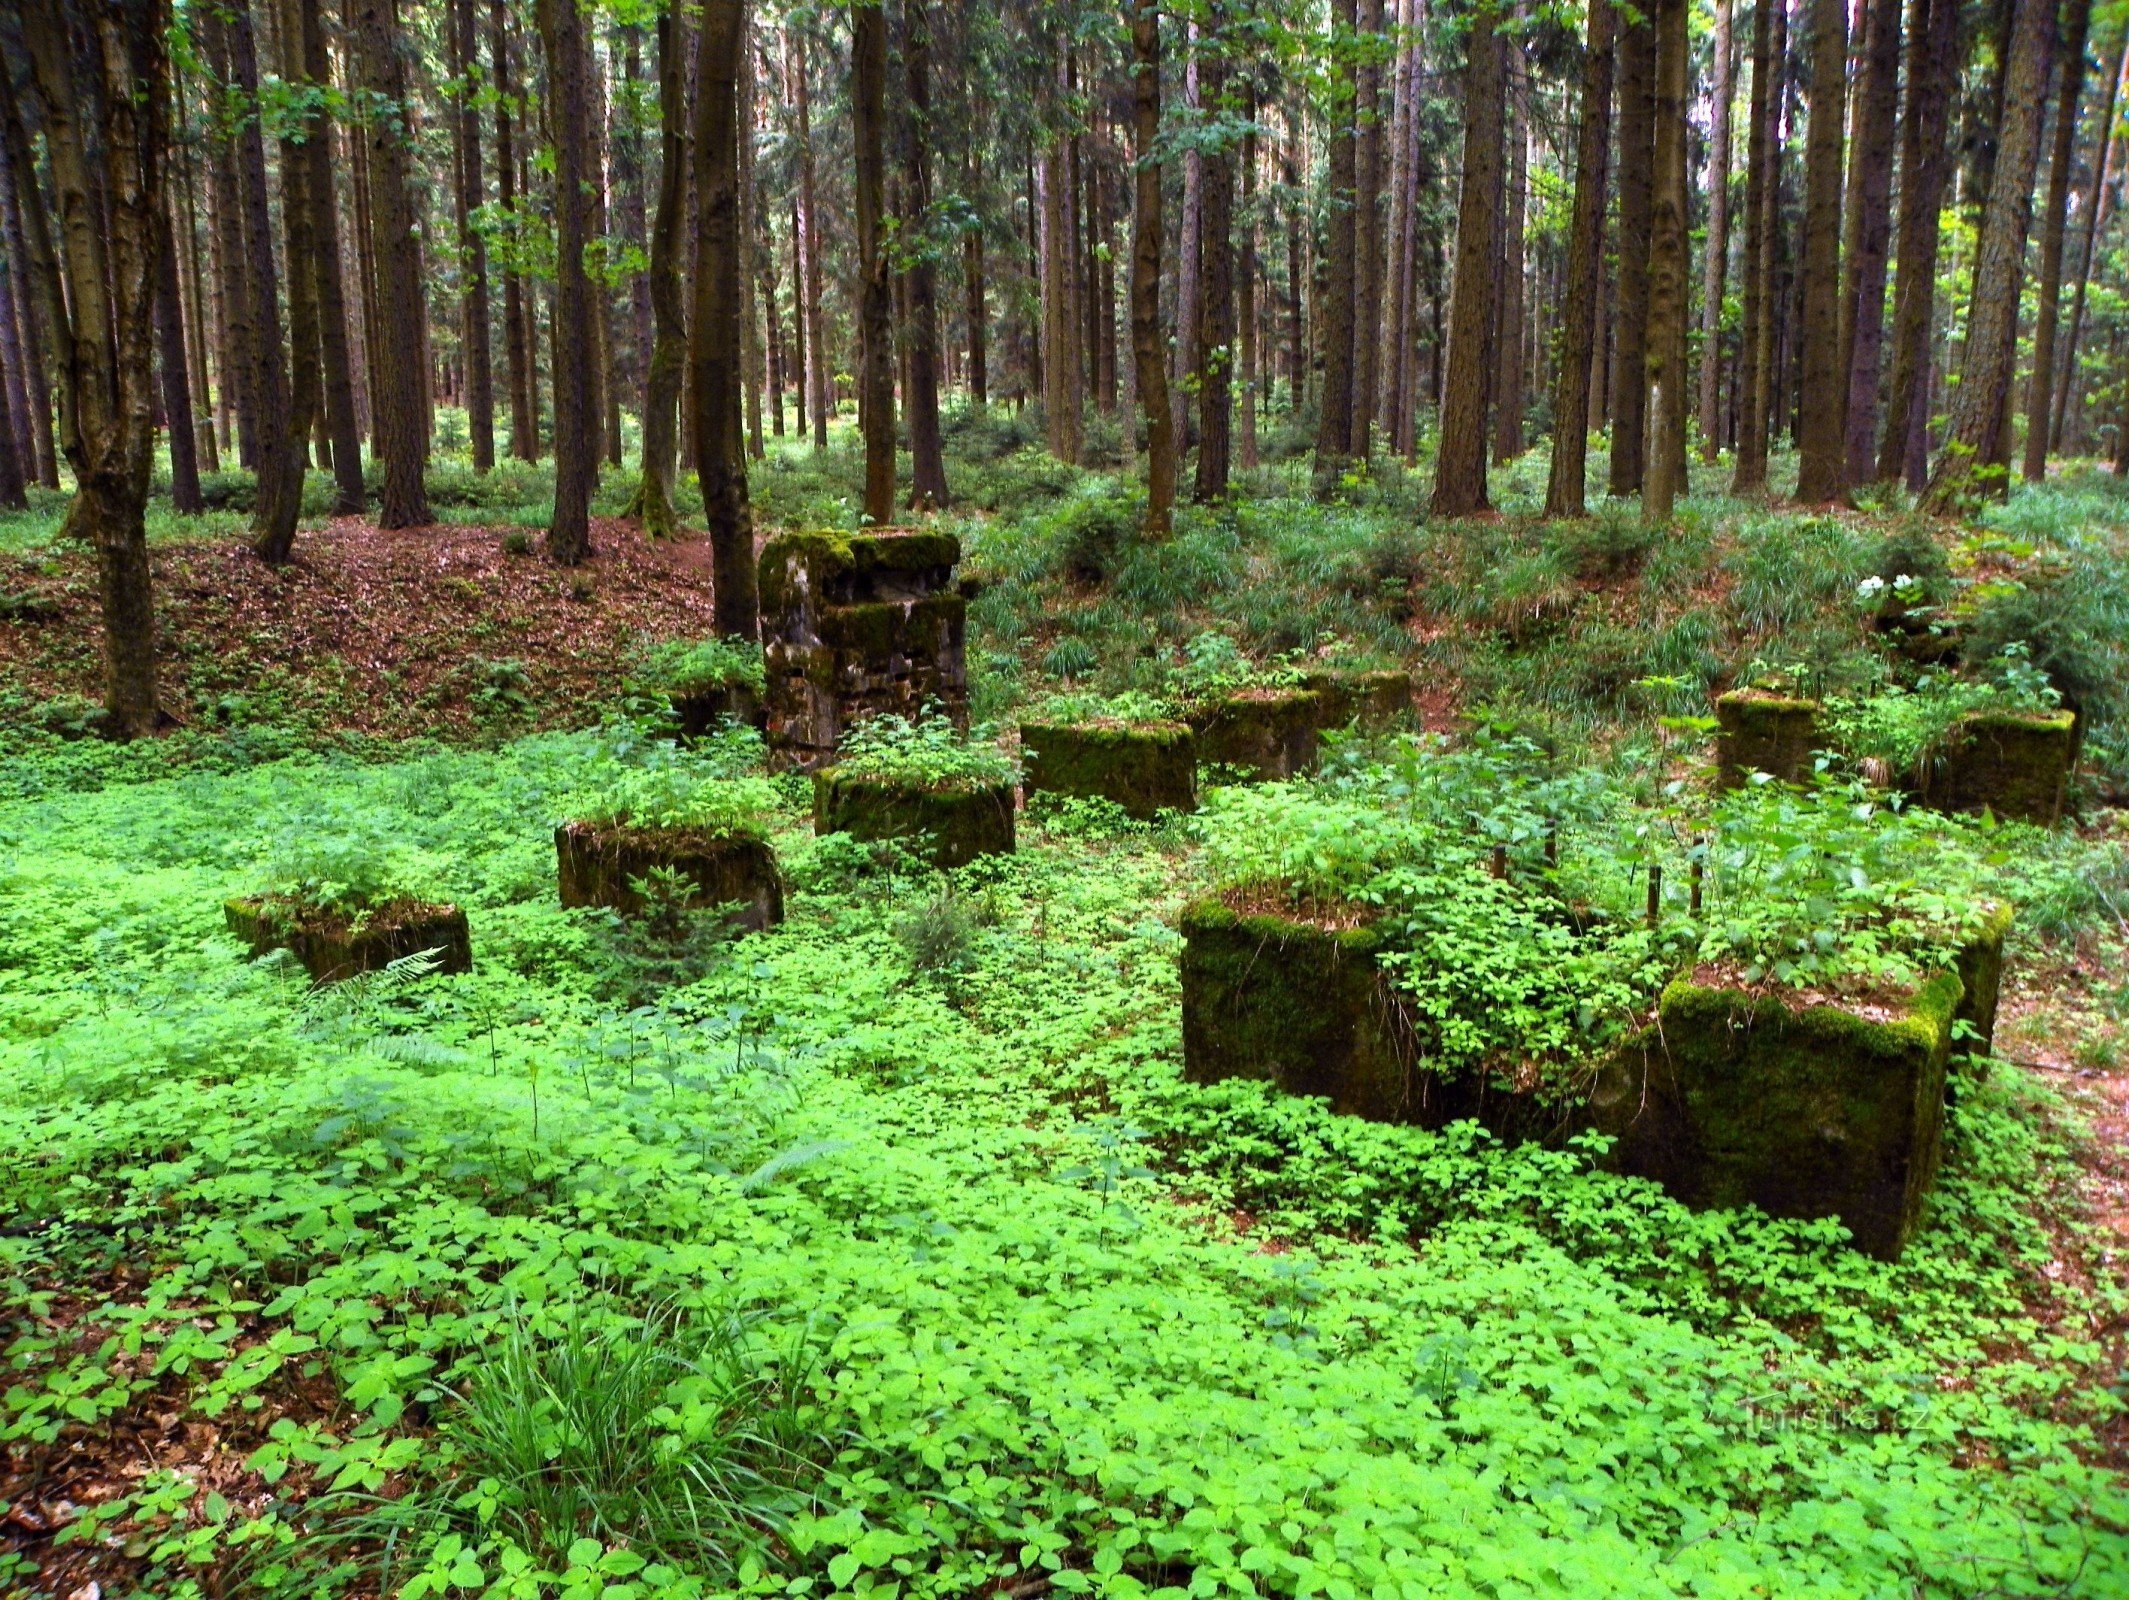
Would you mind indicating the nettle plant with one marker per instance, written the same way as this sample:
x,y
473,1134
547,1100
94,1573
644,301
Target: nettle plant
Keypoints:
x,y
678,794
1901,728
928,752
684,666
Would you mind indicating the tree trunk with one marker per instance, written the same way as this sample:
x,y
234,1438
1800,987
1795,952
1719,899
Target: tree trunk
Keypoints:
x,y
335,378
36,340
1637,74
1508,374
632,180
473,245
1716,257
185,497
1665,478
2095,210
2040,390
576,437
1962,471
1925,165
1149,358
1367,232
1762,196
299,210
972,286
653,504
1251,347
1565,490
876,352
1189,257
1216,257
927,450
719,375
1460,462
1334,427
398,378
769,290
1393,379
517,325
1867,233
106,134
239,316
1823,463
810,239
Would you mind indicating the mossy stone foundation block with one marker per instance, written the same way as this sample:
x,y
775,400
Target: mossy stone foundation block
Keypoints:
x,y
334,946
947,827
1373,699
2014,766
1268,734
1145,767
1980,969
702,711
1283,1001
854,625
1759,732
600,866
1806,1111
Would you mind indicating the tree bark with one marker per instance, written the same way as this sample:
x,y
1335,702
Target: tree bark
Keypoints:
x,y
232,284
972,286
2040,389
185,497
876,353
1716,257
472,243
719,376
336,375
1216,287
1963,471
653,504
1665,478
1149,358
1460,463
1367,231
927,449
1334,428
399,380
37,375
517,325
1189,261
1637,73
1823,463
1250,346
1394,378
1510,339
2095,210
299,210
632,179
1566,489
1925,165
810,239
1867,233
106,135
576,436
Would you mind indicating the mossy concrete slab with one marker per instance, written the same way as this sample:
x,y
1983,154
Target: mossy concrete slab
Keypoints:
x,y
1266,734
2014,766
1760,732
1369,699
1145,767
948,827
601,866
333,946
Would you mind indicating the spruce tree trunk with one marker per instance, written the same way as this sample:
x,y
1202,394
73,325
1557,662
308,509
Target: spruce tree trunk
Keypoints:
x,y
1963,471
2095,212
1148,357
335,365
517,323
106,135
1665,477
1216,288
976,311
1334,322
1637,75
185,497
927,449
810,236
1716,257
1367,234
2040,389
653,505
21,437
1925,165
473,245
1394,378
576,437
719,374
299,215
1822,439
399,381
876,352
1867,233
1509,340
240,333
1460,466
1565,490
1188,260
34,336
632,179
1250,346
770,292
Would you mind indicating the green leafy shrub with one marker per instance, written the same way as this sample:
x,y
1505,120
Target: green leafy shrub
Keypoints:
x,y
683,666
928,752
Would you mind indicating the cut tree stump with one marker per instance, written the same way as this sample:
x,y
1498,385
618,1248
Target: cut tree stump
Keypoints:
x,y
947,827
1760,732
856,625
1145,767
1266,734
601,866
334,946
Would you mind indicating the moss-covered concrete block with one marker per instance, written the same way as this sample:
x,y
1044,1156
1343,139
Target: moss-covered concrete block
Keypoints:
x,y
1760,732
602,865
1268,734
334,945
854,625
1303,1007
1145,767
2014,766
948,827
702,711
1372,699
1980,969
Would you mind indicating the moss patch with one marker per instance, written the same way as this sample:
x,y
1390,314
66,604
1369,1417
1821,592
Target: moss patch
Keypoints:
x,y
2014,766
1266,734
1373,699
334,945
601,866
948,827
1145,767
1765,733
